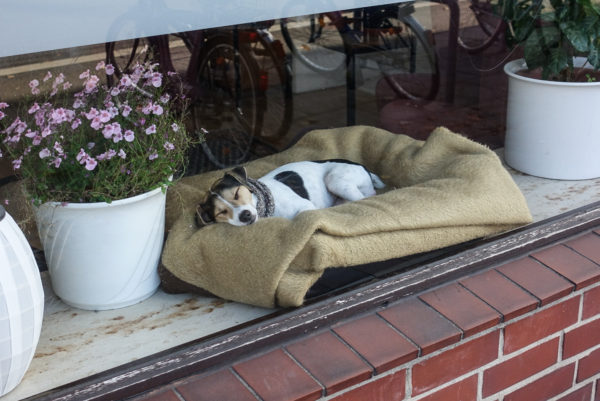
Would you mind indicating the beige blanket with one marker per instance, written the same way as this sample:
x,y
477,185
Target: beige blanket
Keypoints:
x,y
443,191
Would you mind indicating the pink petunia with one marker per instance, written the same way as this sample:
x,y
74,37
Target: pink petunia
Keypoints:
x,y
175,127
17,163
2,115
129,136
122,154
100,65
126,110
156,79
104,116
33,108
90,163
44,153
47,76
157,109
109,69
76,123
3,105
153,156
151,130
57,162
169,146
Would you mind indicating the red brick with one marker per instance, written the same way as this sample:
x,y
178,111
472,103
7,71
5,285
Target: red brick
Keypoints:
x,y
588,366
276,377
569,264
377,342
520,367
388,388
160,395
222,385
330,361
581,338
501,293
444,367
544,283
422,324
541,324
582,394
591,303
545,387
588,245
463,390
464,309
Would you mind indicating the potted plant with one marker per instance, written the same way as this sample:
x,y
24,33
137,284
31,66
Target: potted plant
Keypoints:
x,y
553,125
96,161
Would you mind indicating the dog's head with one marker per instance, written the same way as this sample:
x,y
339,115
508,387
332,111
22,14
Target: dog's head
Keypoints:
x,y
228,201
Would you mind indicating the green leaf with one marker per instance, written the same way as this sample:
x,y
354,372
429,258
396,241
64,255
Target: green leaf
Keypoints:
x,y
576,34
559,60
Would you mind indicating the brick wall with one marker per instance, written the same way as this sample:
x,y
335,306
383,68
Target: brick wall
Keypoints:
x,y
526,330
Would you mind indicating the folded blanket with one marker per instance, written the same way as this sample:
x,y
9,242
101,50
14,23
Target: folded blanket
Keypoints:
x,y
440,192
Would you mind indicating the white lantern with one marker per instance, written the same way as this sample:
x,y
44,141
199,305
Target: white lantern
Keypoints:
x,y
21,304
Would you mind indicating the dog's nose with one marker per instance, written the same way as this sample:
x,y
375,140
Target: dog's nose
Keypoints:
x,y
246,216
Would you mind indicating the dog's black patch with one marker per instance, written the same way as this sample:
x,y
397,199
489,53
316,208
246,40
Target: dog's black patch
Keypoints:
x,y
294,181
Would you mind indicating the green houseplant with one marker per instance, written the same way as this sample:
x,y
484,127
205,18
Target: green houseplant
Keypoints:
x,y
554,32
552,127
96,161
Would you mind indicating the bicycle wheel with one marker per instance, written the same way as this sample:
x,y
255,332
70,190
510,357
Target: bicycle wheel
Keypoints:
x,y
275,83
228,104
489,26
316,41
406,55
124,54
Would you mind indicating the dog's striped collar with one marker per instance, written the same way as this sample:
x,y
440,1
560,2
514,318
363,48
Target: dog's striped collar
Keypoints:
x,y
265,205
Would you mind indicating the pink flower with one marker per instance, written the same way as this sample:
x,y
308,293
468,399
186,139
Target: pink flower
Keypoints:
x,y
96,123
17,163
3,105
129,136
175,127
92,113
126,111
147,109
151,130
33,84
46,131
78,103
2,115
115,91
33,108
157,109
100,65
156,79
125,81
105,116
81,156
58,115
90,163
117,137
44,153
122,154
47,76
59,149
76,123
91,83
109,69
108,131
57,162
169,146
84,74
153,156
165,98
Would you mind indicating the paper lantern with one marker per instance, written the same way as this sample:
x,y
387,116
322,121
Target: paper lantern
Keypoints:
x,y
21,304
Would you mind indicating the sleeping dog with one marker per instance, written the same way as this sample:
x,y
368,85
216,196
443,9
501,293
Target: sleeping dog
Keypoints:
x,y
286,191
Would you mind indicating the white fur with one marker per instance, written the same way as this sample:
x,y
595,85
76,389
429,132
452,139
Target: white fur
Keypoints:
x,y
327,184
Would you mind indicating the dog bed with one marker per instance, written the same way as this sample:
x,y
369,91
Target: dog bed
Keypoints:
x,y
440,192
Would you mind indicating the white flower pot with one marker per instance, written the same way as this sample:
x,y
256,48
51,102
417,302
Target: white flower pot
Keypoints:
x,y
104,255
552,128
21,304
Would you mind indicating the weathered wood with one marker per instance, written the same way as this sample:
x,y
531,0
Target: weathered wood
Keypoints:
x,y
225,348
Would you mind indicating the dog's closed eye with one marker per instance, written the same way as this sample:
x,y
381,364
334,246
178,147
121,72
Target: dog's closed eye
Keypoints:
x,y
237,194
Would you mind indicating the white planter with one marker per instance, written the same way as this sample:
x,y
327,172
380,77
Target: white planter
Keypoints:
x,y
21,304
104,255
552,128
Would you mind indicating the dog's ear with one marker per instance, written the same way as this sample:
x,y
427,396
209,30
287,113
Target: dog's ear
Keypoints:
x,y
239,174
204,214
